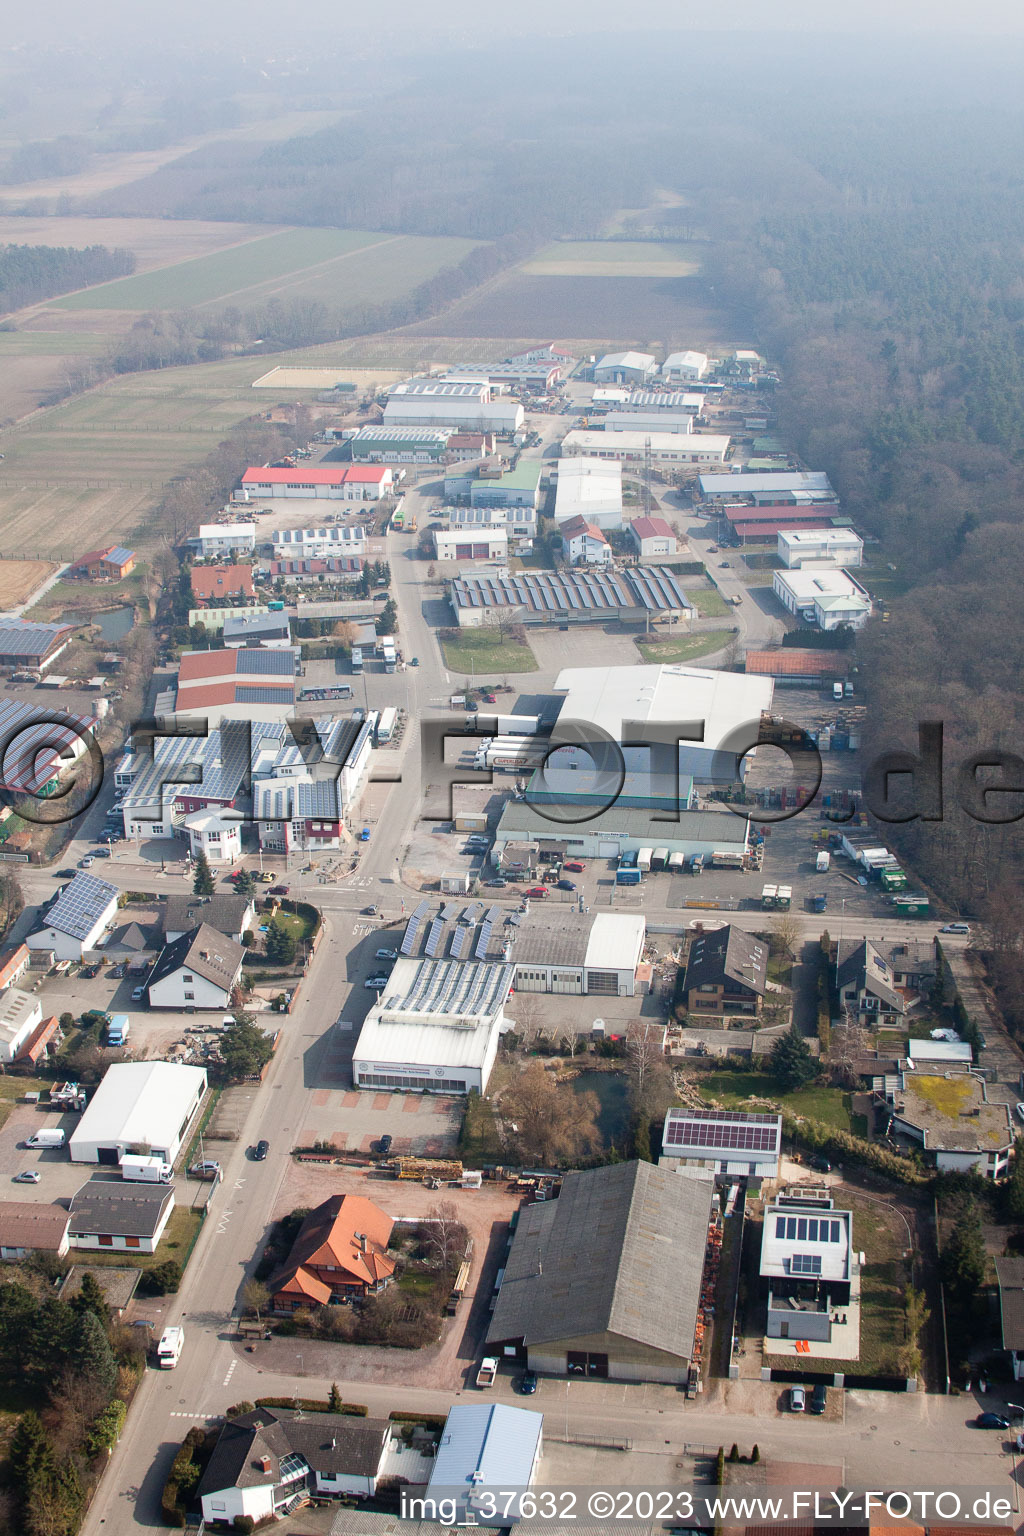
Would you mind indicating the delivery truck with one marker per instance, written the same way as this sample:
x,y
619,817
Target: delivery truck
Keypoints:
x,y
823,861
168,1350
118,1029
145,1170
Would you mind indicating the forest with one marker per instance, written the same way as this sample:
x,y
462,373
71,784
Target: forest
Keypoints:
x,y
30,273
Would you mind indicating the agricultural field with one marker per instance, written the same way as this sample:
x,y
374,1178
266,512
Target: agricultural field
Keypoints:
x,y
338,266
154,242
590,312
613,258
20,578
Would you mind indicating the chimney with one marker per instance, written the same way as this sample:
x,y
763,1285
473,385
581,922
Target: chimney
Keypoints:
x,y
263,1462
360,1238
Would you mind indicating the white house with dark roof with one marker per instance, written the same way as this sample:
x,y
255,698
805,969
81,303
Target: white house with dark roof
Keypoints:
x,y
77,919
199,970
730,1143
108,1214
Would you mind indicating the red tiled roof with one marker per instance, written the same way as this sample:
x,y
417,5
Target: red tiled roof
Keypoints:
x,y
329,1243
793,662
93,555
196,664
366,474
221,580
651,528
12,965
39,1039
225,692
576,526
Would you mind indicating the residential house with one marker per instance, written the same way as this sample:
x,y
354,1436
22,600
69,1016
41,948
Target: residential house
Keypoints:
x,y
27,1228
808,1265
726,973
230,915
224,585
216,539
584,543
123,1217
730,1143
1010,1279
340,1253
652,536
199,970
269,1460
883,980
218,836
111,564
950,1116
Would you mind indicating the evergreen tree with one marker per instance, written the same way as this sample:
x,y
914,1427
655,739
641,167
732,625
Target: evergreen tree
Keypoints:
x,y
91,1353
791,1060
334,1400
1013,1189
246,1049
245,885
963,1258
280,944
203,883
29,1457
90,1299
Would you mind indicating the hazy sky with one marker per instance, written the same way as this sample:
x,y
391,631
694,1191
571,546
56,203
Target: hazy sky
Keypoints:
x,y
247,22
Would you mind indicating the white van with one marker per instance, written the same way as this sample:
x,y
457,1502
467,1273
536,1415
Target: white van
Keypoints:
x,y
46,1139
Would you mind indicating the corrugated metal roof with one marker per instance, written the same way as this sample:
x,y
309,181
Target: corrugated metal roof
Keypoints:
x,y
492,1445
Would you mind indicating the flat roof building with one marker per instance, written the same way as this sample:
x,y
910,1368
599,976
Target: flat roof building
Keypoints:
x,y
435,1027
605,1281
571,596
578,955
485,1447
518,487
820,546
656,421
951,1117
823,597
216,539
590,488
669,448
732,487
809,1264
610,833
145,1104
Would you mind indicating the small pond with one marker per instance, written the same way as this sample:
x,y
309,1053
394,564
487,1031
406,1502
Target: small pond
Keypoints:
x,y
112,623
612,1092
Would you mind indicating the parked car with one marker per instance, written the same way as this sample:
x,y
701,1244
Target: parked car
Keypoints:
x,y
384,1145
138,993
574,865
797,1400
991,1421
496,882
566,885
375,983
527,1384
101,853
1020,1111
963,928
387,954
27,1176
819,1163
260,1151
537,890
819,1398
371,910
66,874
279,890
490,698
85,863
472,706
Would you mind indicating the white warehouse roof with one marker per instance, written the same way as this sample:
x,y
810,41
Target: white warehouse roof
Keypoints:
x,y
588,488
616,941
142,1103
490,1444
609,696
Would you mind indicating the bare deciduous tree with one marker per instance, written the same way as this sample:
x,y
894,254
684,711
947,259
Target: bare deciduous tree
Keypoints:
x,y
445,1235
555,1124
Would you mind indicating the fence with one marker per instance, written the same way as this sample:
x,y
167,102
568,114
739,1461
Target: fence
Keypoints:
x,y
598,1442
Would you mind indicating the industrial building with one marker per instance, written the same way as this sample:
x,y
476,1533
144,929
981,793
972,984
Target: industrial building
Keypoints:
x,y
652,537
726,973
625,368
117,1217
39,743
399,445
24,644
820,546
198,971
684,367
725,1142
217,539
622,700
619,829
20,1015
808,1265
485,1447
317,543
518,487
590,488
571,597
823,597
815,483
149,1105
579,956
654,401
434,1028
657,421
471,544
244,684
319,482
249,630
518,522
605,1281
77,919
673,449
427,402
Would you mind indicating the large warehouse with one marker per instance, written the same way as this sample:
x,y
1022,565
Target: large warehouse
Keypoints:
x,y
618,830
435,1027
632,447
571,597
617,698
431,402
605,1281
590,488
598,957
148,1105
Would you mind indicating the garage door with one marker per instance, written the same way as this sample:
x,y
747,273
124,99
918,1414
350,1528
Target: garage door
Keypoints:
x,y
608,850
603,983
107,1155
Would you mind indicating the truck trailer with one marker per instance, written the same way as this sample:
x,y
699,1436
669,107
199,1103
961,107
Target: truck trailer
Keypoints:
x,y
145,1170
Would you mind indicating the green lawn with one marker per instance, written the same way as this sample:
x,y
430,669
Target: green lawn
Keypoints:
x,y
482,653
685,647
339,265
818,1101
300,928
710,602
176,1243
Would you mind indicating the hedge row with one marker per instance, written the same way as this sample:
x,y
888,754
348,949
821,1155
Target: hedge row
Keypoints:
x,y
183,1470
313,1405
431,1420
819,1137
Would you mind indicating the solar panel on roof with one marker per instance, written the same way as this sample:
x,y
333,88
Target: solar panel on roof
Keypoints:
x,y
471,914
805,1264
449,912
435,938
461,940
266,663
492,914
483,942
